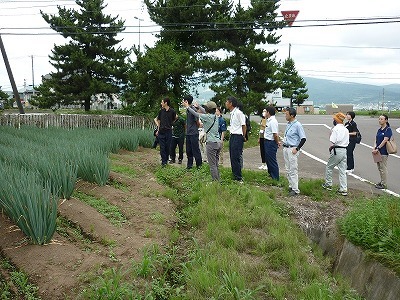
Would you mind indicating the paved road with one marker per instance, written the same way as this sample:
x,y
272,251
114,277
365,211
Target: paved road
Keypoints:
x,y
316,151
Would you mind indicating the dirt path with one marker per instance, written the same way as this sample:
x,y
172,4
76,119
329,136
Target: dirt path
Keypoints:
x,y
59,268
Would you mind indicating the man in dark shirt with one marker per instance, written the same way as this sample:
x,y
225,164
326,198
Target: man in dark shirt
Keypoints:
x,y
165,120
192,137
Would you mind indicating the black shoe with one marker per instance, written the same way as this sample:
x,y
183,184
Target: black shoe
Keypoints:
x,y
327,187
172,161
380,186
293,193
180,161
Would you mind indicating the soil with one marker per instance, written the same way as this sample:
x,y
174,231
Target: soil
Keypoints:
x,y
59,269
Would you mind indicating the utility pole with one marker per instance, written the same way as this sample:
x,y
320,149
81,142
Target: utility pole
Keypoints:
x,y
383,98
33,77
139,28
11,77
290,47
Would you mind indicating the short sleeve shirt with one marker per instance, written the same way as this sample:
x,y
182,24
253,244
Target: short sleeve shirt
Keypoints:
x,y
167,118
380,135
294,133
339,136
270,128
238,119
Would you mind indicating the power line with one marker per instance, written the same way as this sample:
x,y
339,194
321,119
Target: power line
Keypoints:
x,y
212,27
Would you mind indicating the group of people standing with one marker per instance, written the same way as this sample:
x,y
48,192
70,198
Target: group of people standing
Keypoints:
x,y
172,129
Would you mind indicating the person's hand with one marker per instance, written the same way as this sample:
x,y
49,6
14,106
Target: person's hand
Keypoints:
x,y
330,148
185,103
375,151
294,150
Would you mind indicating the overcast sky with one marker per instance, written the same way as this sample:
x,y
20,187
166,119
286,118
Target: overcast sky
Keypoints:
x,y
367,53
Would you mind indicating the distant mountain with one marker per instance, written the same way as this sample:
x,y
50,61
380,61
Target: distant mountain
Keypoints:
x,y
323,91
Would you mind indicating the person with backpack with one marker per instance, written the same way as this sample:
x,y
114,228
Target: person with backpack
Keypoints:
x,y
353,139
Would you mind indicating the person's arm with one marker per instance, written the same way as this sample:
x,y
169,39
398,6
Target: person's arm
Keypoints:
x,y
157,122
193,112
297,149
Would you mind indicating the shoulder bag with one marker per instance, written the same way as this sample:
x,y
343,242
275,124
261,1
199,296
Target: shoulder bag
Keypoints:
x,y
391,146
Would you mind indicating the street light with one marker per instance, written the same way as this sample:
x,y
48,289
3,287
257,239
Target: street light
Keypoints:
x,y
139,28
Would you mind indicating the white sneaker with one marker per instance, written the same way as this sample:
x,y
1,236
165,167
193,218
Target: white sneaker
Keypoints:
x,y
261,167
265,167
349,171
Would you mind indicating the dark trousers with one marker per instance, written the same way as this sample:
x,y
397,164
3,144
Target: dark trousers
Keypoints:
x,y
193,150
177,141
235,154
164,139
350,155
262,150
271,147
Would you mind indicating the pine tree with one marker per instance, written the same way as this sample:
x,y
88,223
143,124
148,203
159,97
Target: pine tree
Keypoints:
x,y
91,62
292,84
206,28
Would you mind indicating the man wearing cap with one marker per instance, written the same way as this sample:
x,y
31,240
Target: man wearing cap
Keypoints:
x,y
210,124
192,136
339,139
293,140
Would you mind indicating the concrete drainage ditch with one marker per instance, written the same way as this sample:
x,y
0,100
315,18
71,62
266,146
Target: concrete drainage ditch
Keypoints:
x,y
369,278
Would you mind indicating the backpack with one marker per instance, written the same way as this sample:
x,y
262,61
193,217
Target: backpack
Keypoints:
x,y
358,137
248,127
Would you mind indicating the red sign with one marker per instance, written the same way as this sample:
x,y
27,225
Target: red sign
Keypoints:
x,y
289,16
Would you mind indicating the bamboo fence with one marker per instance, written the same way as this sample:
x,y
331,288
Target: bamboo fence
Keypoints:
x,y
70,121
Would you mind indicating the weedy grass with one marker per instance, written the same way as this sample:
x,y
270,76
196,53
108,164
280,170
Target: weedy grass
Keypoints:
x,y
245,245
22,288
232,241
111,212
374,224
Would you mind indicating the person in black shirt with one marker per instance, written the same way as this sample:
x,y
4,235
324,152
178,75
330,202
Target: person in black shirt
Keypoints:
x,y
352,128
164,121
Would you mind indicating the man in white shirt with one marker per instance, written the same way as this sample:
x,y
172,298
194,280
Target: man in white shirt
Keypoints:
x,y
237,129
339,141
271,142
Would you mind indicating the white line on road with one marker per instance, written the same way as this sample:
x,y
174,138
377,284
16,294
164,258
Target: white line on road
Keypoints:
x,y
349,174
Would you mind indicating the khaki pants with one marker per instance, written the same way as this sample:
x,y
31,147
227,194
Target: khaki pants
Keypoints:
x,y
291,167
382,168
340,160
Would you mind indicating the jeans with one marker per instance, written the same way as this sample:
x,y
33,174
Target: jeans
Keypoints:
x,y
350,155
177,141
164,140
193,150
271,147
236,142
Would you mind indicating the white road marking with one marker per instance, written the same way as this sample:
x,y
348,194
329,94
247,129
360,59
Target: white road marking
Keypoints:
x,y
349,174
